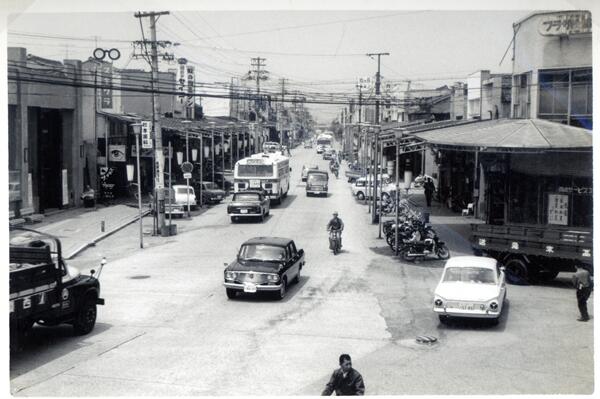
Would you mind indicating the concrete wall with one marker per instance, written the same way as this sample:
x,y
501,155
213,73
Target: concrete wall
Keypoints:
x,y
140,103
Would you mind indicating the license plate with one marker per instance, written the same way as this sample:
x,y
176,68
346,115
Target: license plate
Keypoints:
x,y
250,288
243,210
255,183
466,306
27,303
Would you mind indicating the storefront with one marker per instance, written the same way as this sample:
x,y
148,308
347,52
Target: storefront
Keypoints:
x,y
518,171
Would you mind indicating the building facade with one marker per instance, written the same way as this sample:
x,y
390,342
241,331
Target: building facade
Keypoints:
x,y
552,68
488,95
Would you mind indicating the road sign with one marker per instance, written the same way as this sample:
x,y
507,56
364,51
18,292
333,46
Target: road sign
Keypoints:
x,y
187,175
187,167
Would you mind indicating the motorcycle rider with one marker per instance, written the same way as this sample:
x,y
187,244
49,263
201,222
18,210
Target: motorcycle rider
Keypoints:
x,y
336,224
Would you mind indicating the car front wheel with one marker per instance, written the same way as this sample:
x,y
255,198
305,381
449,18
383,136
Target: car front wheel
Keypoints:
x,y
231,293
282,291
85,319
360,195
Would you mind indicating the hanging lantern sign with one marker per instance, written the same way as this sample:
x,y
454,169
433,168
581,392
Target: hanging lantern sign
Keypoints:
x,y
179,157
194,154
206,151
226,145
129,172
218,149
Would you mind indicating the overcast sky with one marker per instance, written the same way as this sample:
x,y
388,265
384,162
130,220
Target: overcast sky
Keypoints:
x,y
317,50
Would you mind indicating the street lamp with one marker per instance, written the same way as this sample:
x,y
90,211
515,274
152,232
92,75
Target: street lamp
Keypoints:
x,y
137,130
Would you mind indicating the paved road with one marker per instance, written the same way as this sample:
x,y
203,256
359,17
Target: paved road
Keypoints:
x,y
168,328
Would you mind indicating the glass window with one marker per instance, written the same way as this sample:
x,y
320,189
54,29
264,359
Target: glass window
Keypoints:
x,y
246,197
317,178
477,275
262,252
255,170
560,89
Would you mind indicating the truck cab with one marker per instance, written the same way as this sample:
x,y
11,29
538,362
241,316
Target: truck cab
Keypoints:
x,y
45,290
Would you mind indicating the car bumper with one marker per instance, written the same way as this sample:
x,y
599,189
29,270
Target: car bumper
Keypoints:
x,y
245,214
316,191
240,287
476,314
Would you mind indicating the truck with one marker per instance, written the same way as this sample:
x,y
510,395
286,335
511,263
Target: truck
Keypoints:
x,y
45,290
534,253
316,182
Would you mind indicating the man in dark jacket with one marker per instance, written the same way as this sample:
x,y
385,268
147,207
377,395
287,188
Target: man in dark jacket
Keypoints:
x,y
345,380
429,190
583,284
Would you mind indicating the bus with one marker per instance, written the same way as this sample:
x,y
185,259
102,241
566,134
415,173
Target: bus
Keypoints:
x,y
271,147
270,172
325,139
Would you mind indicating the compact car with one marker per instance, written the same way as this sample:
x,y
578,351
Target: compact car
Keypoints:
x,y
249,203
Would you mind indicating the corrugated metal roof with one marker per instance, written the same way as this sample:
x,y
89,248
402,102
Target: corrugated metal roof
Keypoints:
x,y
511,134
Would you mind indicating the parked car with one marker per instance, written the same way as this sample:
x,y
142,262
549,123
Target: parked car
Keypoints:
x,y
249,203
264,264
316,182
305,170
181,196
471,286
362,188
171,208
211,193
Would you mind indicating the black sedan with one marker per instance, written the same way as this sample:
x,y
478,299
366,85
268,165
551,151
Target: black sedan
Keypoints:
x,y
264,264
249,203
211,193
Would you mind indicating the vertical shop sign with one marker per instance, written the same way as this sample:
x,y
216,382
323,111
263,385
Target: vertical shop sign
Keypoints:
x,y
558,209
65,187
106,100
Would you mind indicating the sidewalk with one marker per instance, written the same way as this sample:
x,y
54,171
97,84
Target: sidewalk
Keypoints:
x,y
80,227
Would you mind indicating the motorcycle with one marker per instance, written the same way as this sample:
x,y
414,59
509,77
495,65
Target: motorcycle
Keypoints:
x,y
335,241
419,250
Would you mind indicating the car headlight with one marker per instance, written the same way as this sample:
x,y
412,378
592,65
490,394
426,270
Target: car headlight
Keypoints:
x,y
494,306
230,275
438,302
273,278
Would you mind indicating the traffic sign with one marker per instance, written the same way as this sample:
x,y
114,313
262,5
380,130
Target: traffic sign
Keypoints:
x,y
187,167
187,175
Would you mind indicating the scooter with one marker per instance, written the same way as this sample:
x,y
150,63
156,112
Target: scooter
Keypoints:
x,y
335,241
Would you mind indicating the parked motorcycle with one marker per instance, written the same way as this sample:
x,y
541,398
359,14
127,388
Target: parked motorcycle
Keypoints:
x,y
419,250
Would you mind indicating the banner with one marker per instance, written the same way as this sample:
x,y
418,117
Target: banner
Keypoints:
x,y
116,153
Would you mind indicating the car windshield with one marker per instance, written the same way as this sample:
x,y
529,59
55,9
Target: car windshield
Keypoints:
x,y
262,252
210,186
246,197
182,190
317,177
470,275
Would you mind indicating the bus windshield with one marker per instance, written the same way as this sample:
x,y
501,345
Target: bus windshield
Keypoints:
x,y
255,170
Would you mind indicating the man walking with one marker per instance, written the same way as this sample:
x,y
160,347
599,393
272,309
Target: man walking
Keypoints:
x,y
345,380
583,284
429,189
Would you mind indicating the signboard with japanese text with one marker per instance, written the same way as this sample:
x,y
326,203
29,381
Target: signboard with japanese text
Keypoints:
x,y
565,23
146,134
106,100
558,209
65,187
107,183
190,72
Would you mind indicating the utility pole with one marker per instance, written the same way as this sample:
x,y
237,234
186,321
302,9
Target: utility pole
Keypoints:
x,y
158,147
377,83
282,81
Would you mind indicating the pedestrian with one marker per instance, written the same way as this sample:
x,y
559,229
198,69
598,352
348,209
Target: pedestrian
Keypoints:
x,y
89,197
429,189
345,380
583,286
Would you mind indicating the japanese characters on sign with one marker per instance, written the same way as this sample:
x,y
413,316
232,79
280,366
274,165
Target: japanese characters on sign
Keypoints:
x,y
146,134
575,190
558,209
106,100
566,23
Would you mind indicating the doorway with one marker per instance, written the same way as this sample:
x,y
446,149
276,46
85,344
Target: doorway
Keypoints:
x,y
49,154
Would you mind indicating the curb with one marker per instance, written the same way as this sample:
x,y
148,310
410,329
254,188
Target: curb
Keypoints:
x,y
103,236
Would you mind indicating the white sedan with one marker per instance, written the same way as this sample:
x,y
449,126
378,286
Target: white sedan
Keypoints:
x,y
471,286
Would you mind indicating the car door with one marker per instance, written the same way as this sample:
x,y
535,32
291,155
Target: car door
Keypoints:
x,y
295,259
288,269
501,281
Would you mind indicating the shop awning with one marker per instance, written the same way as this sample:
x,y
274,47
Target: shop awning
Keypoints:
x,y
510,135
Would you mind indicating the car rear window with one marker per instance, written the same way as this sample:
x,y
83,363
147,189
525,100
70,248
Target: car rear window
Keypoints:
x,y
317,177
246,197
182,190
470,275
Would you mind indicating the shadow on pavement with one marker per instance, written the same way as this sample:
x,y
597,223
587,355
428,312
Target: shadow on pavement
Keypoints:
x,y
286,202
45,344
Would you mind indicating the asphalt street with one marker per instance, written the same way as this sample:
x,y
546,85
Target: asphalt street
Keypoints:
x,y
168,328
